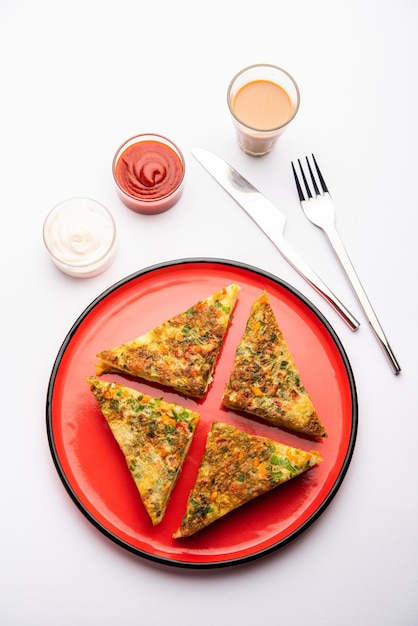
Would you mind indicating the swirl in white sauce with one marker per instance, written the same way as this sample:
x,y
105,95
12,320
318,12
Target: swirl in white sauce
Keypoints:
x,y
79,232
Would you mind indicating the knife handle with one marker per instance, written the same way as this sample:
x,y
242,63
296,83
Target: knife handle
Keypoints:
x,y
313,279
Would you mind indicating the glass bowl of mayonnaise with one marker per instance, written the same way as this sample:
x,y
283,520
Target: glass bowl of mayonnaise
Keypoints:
x,y
80,236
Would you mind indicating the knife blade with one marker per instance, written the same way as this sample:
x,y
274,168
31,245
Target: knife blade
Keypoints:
x,y
270,220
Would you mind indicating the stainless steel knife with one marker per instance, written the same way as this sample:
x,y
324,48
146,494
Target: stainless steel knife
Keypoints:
x,y
271,221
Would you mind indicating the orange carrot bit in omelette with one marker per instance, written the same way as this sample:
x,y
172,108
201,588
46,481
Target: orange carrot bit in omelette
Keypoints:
x,y
167,419
262,469
291,456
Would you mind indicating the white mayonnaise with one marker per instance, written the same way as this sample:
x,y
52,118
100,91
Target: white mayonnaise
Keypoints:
x,y
80,236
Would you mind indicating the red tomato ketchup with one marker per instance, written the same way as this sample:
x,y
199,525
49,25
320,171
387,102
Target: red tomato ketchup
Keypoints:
x,y
149,173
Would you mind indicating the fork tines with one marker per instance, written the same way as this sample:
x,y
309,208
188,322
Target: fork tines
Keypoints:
x,y
313,180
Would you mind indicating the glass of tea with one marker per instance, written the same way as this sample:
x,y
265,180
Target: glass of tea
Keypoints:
x,y
263,99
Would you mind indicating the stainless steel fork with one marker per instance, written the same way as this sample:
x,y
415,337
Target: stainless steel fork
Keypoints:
x,y
319,209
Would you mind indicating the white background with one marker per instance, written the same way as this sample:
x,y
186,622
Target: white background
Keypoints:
x,y
76,80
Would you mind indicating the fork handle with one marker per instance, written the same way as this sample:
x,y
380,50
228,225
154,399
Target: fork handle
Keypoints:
x,y
351,273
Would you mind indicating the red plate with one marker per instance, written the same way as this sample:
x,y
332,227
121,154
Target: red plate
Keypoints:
x,y
91,465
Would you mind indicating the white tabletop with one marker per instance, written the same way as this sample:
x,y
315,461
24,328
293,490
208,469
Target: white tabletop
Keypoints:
x,y
76,80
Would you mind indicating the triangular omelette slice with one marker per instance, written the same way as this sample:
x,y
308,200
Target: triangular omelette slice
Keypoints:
x,y
181,352
265,380
154,436
237,467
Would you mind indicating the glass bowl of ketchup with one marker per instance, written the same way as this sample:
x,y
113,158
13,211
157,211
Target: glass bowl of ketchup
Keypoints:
x,y
149,173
